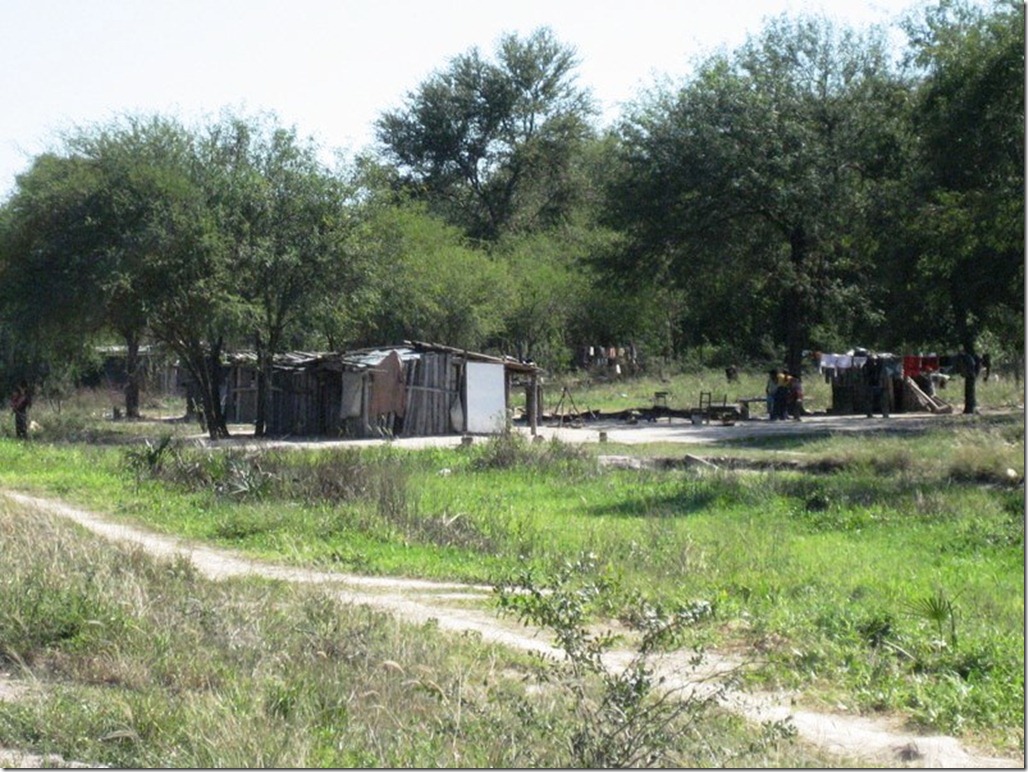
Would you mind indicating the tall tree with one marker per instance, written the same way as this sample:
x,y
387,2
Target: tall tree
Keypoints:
x,y
285,219
490,145
752,178
968,223
49,299
133,162
429,283
117,232
80,228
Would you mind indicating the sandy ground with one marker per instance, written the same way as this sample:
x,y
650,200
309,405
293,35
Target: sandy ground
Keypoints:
x,y
675,430
854,739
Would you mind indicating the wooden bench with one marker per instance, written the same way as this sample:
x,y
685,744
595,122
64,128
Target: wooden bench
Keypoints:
x,y
725,413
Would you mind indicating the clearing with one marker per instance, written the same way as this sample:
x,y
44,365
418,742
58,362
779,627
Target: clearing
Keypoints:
x,y
460,608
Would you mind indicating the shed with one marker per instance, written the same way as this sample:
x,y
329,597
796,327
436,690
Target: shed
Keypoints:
x,y
412,390
911,382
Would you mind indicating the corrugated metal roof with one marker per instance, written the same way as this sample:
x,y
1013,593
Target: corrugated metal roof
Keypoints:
x,y
362,359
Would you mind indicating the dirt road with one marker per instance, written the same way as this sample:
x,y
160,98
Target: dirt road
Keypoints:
x,y
459,608
674,431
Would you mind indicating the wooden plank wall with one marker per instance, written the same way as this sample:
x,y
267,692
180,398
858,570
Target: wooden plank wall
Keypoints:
x,y
433,382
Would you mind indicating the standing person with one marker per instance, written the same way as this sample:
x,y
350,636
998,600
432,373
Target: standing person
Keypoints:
x,y
795,397
21,401
769,392
781,398
875,377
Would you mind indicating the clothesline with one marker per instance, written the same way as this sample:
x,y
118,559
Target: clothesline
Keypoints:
x,y
912,365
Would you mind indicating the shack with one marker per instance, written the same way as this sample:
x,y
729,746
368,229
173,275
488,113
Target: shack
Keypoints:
x,y
413,390
912,382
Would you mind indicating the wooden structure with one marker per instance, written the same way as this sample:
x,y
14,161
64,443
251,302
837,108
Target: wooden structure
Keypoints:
x,y
908,384
155,369
708,409
413,390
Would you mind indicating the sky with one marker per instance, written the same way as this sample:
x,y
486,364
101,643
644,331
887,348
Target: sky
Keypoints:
x,y
330,68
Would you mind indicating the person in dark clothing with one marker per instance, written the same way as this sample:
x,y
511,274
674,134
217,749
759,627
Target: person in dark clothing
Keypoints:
x,y
795,399
769,391
21,401
875,377
781,397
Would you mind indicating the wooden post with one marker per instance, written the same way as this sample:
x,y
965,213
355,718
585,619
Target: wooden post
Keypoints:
x,y
532,403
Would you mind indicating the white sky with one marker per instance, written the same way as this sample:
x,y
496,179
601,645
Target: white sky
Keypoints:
x,y
330,67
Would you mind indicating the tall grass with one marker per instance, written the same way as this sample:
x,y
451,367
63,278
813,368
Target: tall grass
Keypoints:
x,y
816,567
142,663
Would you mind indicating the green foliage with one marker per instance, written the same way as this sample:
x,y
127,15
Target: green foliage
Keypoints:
x,y
844,197
429,282
938,609
150,458
962,232
749,179
136,663
512,450
490,145
634,719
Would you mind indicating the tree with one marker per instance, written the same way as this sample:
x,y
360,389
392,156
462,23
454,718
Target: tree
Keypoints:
x,y
429,283
752,179
968,184
132,163
489,146
285,220
549,284
80,229
118,232
49,293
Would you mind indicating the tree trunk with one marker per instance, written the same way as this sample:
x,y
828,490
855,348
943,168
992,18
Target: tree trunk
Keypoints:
x,y
206,369
218,425
260,422
132,371
796,301
967,334
263,406
970,373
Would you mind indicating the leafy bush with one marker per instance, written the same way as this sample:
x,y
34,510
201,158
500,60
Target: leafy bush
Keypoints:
x,y
621,716
511,449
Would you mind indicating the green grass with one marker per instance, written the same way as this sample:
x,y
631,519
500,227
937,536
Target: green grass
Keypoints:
x,y
685,387
887,577
134,662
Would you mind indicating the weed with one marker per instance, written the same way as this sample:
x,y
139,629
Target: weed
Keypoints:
x,y
938,609
632,717
511,449
151,457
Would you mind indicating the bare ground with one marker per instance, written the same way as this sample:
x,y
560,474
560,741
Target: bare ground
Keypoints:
x,y
459,608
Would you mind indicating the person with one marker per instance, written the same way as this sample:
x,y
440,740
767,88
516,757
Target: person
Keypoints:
x,y
769,392
986,367
21,401
781,396
795,398
875,377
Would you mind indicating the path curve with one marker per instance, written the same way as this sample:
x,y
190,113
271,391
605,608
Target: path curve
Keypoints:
x,y
447,603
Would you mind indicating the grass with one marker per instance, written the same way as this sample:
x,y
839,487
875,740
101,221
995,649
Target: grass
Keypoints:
x,y
684,388
886,576
141,663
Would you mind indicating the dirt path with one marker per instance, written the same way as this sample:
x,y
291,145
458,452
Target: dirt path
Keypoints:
x,y
676,430
458,608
